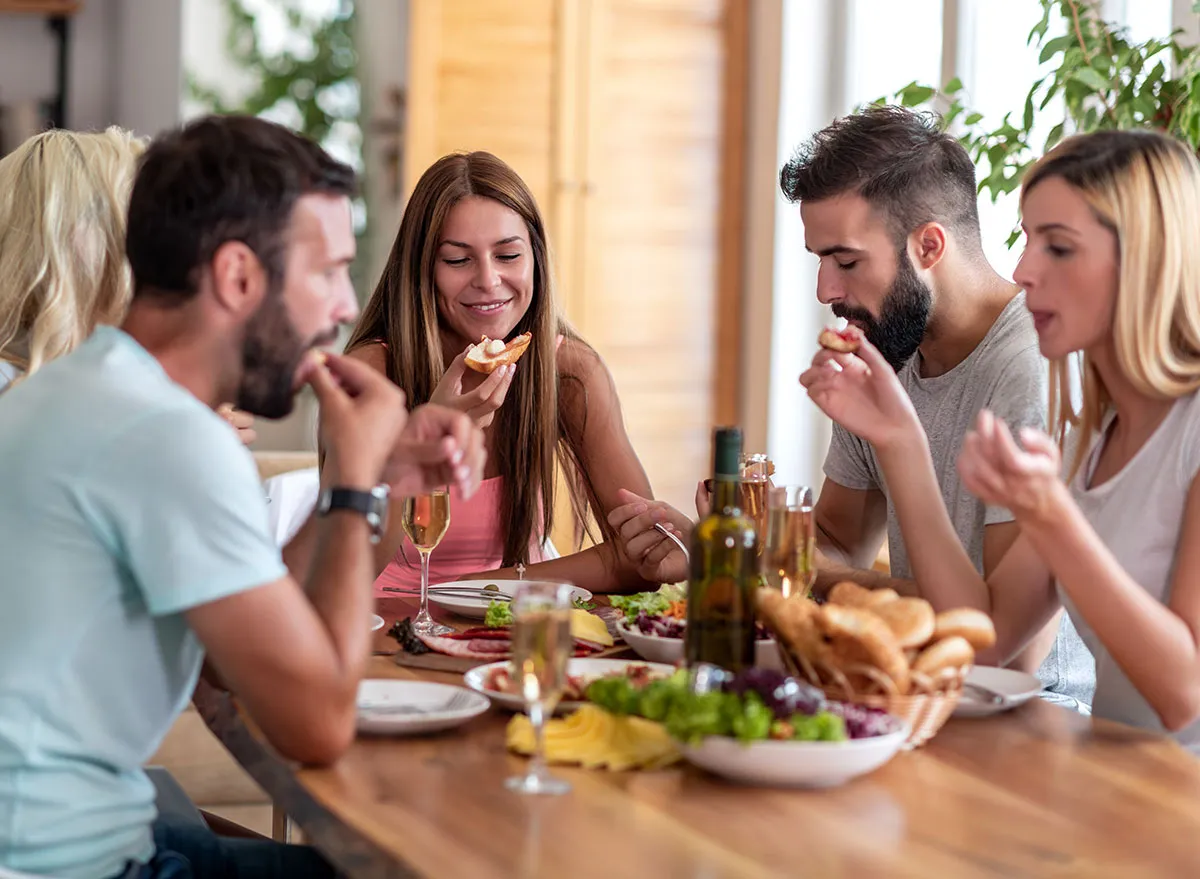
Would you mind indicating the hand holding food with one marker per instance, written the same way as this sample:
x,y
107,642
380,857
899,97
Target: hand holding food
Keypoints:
x,y
860,391
462,387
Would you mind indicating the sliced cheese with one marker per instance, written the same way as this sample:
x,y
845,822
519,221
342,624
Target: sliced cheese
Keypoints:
x,y
589,627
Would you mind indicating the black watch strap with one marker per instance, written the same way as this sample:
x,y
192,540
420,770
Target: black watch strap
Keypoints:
x,y
371,504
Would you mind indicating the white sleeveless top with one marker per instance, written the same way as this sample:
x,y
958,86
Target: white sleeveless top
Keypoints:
x,y
1138,514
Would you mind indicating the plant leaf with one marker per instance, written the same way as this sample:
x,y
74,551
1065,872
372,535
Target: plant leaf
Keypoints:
x,y
1090,77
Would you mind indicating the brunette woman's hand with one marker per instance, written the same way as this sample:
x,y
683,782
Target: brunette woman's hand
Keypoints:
x,y
471,392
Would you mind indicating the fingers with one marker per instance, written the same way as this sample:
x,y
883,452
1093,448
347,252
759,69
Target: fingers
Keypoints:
x,y
490,394
869,355
355,377
329,392
627,497
703,500
457,369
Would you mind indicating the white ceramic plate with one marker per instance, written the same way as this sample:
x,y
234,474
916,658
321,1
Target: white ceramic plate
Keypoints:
x,y
377,622
394,707
794,764
476,608
656,648
587,669
1017,687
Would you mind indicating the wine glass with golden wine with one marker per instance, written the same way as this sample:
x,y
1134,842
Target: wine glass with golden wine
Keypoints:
x,y
542,646
425,518
789,560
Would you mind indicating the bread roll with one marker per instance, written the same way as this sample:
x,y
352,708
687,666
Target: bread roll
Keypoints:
x,y
952,652
850,594
857,637
966,622
910,619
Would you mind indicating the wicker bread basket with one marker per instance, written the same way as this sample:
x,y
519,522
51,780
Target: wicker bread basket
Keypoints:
x,y
928,704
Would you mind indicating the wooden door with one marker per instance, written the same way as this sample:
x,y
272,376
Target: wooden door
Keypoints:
x,y
651,291
624,118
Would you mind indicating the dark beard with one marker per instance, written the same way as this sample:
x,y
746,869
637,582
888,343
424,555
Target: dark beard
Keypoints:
x,y
903,317
271,352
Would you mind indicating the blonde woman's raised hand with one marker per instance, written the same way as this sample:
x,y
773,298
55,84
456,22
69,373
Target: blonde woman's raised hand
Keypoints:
x,y
1022,478
242,422
474,393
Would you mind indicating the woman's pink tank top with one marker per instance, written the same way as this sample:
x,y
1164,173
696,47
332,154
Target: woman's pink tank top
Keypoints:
x,y
473,542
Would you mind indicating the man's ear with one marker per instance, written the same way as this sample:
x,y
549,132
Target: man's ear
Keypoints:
x,y
239,279
927,245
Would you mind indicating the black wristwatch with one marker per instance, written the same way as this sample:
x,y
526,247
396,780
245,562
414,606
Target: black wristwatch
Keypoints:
x,y
373,504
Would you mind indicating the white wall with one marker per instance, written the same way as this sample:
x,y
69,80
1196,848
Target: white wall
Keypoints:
x,y
123,66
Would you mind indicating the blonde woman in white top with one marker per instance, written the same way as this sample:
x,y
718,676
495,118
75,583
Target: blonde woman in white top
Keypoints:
x,y
63,198
1111,272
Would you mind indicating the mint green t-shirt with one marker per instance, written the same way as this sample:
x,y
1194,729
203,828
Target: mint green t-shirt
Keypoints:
x,y
124,501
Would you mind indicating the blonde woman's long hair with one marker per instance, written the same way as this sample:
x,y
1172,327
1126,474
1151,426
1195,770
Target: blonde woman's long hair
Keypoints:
x,y
403,314
63,201
1145,187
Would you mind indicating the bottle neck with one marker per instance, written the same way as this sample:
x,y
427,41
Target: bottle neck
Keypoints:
x,y
726,493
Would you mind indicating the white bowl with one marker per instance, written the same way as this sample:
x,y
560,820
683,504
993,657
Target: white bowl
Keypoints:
x,y
396,707
377,622
794,764
476,608
587,669
656,648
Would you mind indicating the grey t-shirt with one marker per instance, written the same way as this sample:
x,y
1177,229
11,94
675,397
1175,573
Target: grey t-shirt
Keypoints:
x,y
1006,374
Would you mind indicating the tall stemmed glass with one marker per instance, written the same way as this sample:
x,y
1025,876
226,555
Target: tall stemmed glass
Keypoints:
x,y
425,520
789,561
541,638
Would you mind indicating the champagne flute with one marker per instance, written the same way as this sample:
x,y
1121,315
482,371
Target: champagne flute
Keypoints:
x,y
542,643
789,561
425,518
756,473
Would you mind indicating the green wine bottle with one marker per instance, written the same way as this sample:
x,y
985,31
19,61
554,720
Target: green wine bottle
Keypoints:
x,y
724,561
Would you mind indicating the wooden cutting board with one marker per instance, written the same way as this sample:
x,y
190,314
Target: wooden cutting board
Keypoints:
x,y
462,664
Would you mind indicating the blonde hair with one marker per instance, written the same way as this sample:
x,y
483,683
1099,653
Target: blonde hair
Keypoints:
x,y
1145,187
63,201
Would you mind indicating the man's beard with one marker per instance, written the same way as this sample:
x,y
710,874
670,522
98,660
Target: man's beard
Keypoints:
x,y
903,317
271,353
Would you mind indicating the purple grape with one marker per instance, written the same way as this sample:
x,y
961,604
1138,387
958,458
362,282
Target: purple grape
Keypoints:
x,y
863,722
784,695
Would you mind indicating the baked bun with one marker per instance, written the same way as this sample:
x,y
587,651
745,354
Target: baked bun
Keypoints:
x,y
837,340
490,354
855,636
973,625
849,594
952,652
793,621
910,619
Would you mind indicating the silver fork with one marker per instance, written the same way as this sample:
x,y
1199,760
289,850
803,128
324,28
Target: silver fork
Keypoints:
x,y
663,529
985,694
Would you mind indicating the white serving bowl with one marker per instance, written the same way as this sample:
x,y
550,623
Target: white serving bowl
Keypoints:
x,y
656,648
794,764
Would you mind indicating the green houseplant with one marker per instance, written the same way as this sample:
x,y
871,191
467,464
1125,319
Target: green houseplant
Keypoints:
x,y
1102,78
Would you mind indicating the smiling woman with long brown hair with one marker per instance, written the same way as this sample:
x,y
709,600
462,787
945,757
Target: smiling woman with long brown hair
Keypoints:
x,y
471,259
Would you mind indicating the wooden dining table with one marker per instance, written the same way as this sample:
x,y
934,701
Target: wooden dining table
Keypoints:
x,y
1036,791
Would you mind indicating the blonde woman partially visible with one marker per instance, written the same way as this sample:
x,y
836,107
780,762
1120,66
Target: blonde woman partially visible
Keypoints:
x,y
63,197
1111,273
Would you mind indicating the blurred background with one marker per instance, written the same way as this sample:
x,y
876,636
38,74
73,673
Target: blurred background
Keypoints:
x,y
651,132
